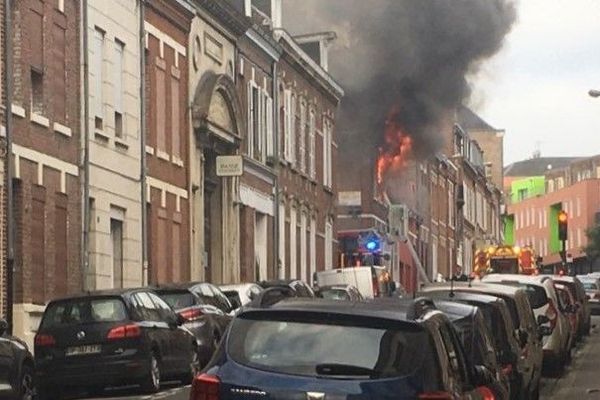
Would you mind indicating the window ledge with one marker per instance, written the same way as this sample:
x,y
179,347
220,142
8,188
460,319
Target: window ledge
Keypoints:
x,y
177,161
162,155
63,130
40,120
99,135
328,189
18,110
121,144
150,150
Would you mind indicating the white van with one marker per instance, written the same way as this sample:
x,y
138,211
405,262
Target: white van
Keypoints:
x,y
370,281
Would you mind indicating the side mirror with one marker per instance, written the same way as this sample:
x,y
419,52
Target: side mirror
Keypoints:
x,y
542,319
3,327
483,375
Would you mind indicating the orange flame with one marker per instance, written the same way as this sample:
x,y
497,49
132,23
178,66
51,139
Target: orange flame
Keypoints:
x,y
397,150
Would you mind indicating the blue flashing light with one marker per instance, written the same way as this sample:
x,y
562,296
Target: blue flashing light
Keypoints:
x,y
371,245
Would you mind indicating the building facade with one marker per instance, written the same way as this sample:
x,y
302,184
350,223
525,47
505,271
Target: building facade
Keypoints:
x,y
113,107
45,124
167,28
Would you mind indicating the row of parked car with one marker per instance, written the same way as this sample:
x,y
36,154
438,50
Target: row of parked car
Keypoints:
x,y
488,339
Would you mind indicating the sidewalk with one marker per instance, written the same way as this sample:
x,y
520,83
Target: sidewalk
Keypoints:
x,y
581,379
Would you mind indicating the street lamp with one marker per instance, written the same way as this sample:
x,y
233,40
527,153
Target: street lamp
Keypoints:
x,y
594,93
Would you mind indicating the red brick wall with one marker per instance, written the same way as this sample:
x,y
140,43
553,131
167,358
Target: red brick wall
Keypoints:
x,y
46,265
168,229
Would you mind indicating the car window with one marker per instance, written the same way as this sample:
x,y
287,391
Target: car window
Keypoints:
x,y
590,285
165,311
205,290
178,300
453,350
536,293
150,311
334,294
86,311
288,345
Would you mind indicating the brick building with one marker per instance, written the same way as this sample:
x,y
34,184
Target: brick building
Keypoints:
x,y
308,98
167,26
46,141
533,220
258,55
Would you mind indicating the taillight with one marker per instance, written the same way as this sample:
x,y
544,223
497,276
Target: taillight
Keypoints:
x,y
124,331
205,387
552,313
44,340
191,315
486,393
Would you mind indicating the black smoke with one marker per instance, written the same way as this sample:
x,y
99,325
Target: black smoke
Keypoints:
x,y
416,55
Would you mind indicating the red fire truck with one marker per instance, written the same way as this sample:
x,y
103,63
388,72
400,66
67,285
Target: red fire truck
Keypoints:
x,y
506,259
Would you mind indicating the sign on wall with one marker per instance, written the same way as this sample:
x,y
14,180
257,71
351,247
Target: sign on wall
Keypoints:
x,y
349,199
230,166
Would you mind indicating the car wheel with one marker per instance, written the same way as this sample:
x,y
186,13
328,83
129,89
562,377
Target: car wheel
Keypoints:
x,y
151,382
27,389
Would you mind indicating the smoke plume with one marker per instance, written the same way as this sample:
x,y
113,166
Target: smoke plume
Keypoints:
x,y
410,56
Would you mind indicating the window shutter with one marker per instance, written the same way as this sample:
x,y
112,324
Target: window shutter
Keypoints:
x,y
250,133
270,139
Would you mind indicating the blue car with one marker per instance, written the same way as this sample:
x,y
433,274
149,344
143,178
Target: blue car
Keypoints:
x,y
332,350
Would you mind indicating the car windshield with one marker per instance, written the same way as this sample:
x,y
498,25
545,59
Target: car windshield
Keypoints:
x,y
333,294
589,286
314,348
178,300
536,294
84,311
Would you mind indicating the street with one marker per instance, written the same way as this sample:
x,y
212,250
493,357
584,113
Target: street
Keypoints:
x,y
169,392
580,379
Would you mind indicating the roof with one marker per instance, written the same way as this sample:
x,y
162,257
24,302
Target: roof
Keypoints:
x,y
468,120
390,308
455,311
463,296
518,278
537,166
476,287
102,293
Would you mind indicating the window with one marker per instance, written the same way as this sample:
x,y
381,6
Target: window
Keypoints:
x,y
328,244
312,147
161,136
175,118
302,137
97,70
293,244
60,74
37,92
578,203
282,244
313,248
287,129
303,246
118,86
327,175
292,123
256,123
116,238
522,194
269,127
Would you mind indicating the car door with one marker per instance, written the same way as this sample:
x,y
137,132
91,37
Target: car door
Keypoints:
x,y
158,329
533,347
180,338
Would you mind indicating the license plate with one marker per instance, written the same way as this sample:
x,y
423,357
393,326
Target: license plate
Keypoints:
x,y
83,350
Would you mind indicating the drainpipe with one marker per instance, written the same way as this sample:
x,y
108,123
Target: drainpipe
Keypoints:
x,y
275,119
10,236
143,144
85,148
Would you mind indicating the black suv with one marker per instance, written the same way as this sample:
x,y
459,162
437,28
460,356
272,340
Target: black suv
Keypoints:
x,y
292,350
112,338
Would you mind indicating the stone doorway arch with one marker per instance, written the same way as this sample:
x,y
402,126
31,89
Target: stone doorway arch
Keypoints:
x,y
218,126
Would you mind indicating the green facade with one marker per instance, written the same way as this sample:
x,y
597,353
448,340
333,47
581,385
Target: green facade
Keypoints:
x,y
509,230
555,245
526,188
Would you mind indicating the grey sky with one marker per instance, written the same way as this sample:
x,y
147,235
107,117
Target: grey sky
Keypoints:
x,y
536,88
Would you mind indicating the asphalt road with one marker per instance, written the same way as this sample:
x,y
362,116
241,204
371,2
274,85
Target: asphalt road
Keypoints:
x,y
580,379
169,392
